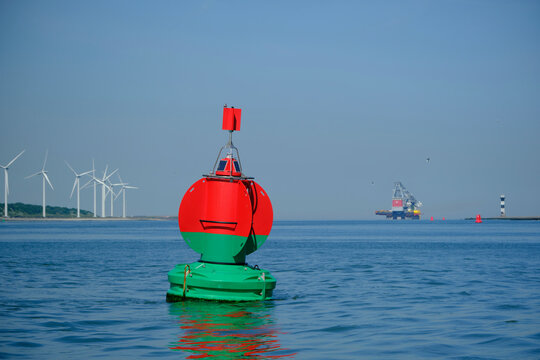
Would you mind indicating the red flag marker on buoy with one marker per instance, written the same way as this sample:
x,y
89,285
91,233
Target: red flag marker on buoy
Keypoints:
x,y
478,219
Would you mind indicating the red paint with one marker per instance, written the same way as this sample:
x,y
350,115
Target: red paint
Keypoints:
x,y
397,203
431,218
222,206
216,206
263,215
443,218
231,119
478,219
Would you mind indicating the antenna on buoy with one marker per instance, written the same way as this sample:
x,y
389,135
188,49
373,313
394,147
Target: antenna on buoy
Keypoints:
x,y
231,123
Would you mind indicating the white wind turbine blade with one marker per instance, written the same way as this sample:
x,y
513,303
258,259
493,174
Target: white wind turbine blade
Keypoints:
x,y
119,177
45,162
74,184
15,158
105,172
99,181
69,166
85,173
108,190
111,174
117,195
88,183
29,176
131,187
47,178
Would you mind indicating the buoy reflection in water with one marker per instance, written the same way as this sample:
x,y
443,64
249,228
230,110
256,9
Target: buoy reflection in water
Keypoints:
x,y
243,330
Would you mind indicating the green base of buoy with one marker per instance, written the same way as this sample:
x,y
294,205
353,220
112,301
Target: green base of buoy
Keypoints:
x,y
224,282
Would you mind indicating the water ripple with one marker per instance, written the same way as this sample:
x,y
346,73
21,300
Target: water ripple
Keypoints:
x,y
345,290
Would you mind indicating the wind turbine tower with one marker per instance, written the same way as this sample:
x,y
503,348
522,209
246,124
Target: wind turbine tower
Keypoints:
x,y
104,187
77,184
44,176
111,191
95,181
6,182
123,192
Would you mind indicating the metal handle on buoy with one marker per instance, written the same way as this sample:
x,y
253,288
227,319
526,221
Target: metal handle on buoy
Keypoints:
x,y
185,276
263,293
211,224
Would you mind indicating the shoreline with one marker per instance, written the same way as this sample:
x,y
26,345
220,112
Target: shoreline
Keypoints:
x,y
175,218
509,218
131,218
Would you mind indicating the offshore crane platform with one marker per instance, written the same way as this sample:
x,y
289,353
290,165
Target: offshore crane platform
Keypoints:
x,y
404,204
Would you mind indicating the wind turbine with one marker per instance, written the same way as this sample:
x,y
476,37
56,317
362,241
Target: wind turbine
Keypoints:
x,y
95,181
77,184
123,192
43,173
103,189
6,182
110,190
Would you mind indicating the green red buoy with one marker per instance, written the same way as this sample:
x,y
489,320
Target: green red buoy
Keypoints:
x,y
224,216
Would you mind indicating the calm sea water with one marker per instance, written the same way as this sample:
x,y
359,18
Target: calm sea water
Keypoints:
x,y
345,290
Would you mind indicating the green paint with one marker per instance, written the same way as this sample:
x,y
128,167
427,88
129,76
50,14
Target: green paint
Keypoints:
x,y
219,282
254,242
223,248
221,273
217,247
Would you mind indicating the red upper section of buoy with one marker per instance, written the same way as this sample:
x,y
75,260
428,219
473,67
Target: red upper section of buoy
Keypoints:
x,y
225,207
216,206
478,218
231,119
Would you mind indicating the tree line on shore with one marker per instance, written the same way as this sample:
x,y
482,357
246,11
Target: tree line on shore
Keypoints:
x,y
21,210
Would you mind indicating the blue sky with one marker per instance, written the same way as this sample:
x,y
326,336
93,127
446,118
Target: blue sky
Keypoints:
x,y
340,99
